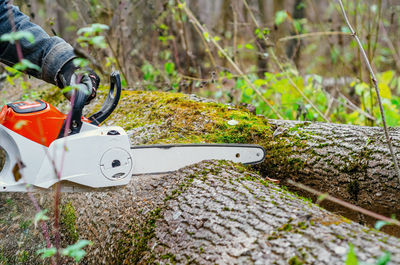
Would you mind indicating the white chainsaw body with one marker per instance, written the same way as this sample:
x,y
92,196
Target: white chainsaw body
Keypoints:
x,y
85,159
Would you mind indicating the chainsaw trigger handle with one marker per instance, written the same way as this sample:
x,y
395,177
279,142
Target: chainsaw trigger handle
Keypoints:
x,y
77,108
111,101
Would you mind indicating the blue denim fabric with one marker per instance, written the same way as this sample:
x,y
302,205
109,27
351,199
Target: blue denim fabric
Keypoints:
x,y
49,53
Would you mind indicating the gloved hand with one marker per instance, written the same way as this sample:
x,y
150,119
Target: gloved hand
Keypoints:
x,y
70,75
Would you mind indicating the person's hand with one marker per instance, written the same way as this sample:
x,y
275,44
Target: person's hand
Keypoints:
x,y
86,80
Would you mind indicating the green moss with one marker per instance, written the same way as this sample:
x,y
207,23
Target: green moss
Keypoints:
x,y
170,257
52,95
286,227
22,256
295,261
302,225
135,244
182,120
25,224
3,258
68,222
340,237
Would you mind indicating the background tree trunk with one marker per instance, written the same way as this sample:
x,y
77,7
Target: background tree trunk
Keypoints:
x,y
294,47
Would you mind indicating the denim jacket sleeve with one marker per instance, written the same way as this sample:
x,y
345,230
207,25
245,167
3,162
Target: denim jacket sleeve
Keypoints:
x,y
49,53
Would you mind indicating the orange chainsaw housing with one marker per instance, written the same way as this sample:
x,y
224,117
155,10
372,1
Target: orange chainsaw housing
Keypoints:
x,y
36,120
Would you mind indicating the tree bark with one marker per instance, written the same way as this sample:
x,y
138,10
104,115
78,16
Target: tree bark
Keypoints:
x,y
212,212
217,212
350,162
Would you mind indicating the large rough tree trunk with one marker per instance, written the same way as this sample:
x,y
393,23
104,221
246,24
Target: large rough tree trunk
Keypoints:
x,y
217,212
350,162
209,213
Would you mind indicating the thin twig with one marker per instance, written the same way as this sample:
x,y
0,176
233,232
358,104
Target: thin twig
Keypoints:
x,y
314,34
373,78
195,22
234,33
350,206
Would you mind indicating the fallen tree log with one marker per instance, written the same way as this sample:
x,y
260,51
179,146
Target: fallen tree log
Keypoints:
x,y
216,212
350,162
213,212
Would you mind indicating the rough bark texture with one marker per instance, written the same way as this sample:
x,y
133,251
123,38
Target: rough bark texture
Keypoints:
x,y
216,212
350,162
209,213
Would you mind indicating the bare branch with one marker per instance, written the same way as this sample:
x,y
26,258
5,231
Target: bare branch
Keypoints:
x,y
325,196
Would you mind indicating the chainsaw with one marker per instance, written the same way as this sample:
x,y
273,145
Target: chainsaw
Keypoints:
x,y
42,146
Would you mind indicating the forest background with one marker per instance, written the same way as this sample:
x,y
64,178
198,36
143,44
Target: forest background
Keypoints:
x,y
289,59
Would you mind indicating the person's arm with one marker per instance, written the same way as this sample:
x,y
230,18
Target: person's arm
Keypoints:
x,y
49,53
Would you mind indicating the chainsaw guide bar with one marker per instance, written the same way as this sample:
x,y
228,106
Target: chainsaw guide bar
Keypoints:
x,y
88,157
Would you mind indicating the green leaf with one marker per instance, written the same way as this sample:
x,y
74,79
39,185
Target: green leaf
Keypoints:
x,y
298,25
386,77
248,91
379,224
361,88
249,46
216,38
280,17
26,64
92,29
206,36
181,6
46,252
351,256
240,83
384,259
260,82
75,251
12,71
169,67
384,90
99,42
14,36
322,197
261,33
301,6
80,62
335,54
40,216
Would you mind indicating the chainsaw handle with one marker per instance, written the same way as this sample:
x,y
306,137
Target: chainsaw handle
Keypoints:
x,y
111,101
80,99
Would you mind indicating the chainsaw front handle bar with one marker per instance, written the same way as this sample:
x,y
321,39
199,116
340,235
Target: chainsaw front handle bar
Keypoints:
x,y
80,98
111,101
105,111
